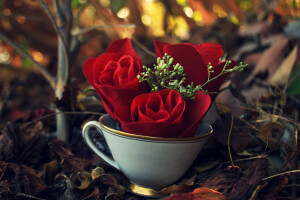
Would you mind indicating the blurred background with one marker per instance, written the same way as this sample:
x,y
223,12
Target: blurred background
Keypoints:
x,y
245,28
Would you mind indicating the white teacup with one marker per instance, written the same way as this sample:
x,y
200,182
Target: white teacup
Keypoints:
x,y
150,162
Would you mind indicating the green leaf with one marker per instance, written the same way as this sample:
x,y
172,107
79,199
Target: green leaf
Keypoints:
x,y
117,5
25,62
294,88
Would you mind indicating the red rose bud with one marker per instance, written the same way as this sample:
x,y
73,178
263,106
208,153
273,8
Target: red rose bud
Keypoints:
x,y
114,75
163,114
195,60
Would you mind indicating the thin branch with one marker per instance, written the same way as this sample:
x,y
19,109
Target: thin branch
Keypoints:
x,y
58,12
60,112
283,173
228,140
142,47
42,69
77,32
52,19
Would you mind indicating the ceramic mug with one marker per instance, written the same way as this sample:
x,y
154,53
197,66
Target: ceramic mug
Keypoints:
x,y
150,162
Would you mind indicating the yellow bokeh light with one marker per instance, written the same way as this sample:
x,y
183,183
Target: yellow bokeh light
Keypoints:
x,y
104,3
219,11
179,27
90,11
123,13
182,2
153,17
197,16
188,11
234,19
146,19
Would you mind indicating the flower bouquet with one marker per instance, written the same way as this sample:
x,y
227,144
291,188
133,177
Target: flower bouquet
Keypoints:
x,y
159,108
166,100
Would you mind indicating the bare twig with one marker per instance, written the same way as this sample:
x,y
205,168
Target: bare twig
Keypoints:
x,y
142,47
280,174
42,69
59,13
46,8
228,140
59,112
245,159
77,32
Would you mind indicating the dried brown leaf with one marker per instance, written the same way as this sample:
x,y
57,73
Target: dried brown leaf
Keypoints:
x,y
244,186
282,74
271,133
98,171
20,179
271,58
67,160
223,178
80,180
202,193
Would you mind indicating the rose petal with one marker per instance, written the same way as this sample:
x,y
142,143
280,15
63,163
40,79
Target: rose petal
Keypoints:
x,y
123,46
149,112
188,57
174,104
88,72
210,52
106,76
194,112
87,69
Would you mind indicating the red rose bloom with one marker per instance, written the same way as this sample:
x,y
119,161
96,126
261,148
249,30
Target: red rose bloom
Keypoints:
x,y
163,114
194,59
114,75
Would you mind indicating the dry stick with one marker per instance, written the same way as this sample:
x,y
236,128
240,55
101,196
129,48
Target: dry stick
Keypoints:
x,y
58,11
45,6
228,140
61,21
54,114
245,159
78,32
42,69
257,190
283,173
278,116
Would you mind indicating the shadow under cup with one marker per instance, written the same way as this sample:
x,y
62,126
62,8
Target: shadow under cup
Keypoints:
x,y
150,162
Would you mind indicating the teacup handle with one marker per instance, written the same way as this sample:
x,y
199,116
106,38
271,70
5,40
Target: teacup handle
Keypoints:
x,y
87,138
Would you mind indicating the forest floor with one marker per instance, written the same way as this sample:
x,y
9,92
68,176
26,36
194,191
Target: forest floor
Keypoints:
x,y
252,154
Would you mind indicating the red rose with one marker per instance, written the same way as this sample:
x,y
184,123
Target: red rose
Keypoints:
x,y
163,114
194,59
114,75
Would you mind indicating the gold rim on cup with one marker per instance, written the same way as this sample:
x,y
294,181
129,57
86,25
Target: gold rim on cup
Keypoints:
x,y
121,133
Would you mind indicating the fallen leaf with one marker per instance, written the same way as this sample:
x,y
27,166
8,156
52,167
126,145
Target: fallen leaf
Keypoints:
x,y
271,133
282,74
98,171
202,193
243,187
271,58
67,160
80,180
223,178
